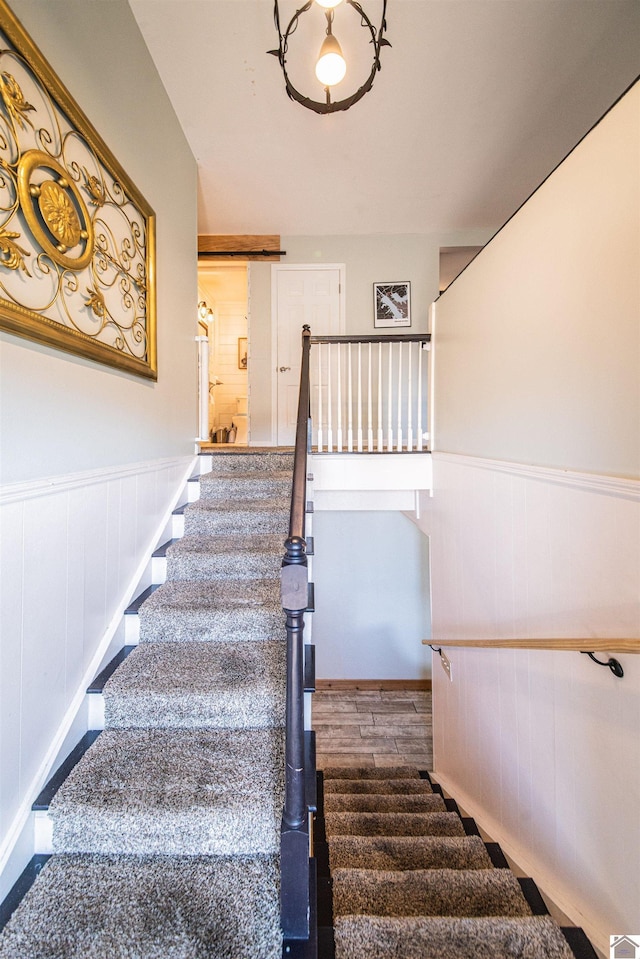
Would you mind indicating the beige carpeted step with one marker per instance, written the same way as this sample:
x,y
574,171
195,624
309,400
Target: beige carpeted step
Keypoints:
x,y
409,852
393,824
149,907
371,772
382,802
382,937
199,685
237,557
427,892
377,786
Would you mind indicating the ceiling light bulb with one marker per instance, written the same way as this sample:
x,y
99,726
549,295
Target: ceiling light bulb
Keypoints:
x,y
331,66
328,4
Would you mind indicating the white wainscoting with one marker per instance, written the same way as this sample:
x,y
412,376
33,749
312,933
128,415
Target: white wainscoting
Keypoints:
x,y
73,549
541,747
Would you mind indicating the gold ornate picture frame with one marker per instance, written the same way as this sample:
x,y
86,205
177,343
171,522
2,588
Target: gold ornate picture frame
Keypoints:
x,y
77,238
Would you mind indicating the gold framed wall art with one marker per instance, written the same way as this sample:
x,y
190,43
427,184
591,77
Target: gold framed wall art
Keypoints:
x,y
77,239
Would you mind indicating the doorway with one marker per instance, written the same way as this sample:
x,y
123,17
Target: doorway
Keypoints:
x,y
301,294
223,288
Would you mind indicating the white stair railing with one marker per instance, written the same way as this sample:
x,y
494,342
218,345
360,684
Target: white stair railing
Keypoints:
x,y
377,385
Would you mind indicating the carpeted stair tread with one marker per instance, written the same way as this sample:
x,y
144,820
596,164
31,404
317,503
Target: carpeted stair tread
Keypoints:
x,y
244,516
227,610
370,772
225,557
378,786
408,852
381,937
393,824
118,907
428,892
376,802
262,460
223,488
207,685
195,792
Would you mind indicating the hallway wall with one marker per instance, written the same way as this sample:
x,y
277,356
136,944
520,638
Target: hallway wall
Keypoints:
x,y
60,413
535,526
371,574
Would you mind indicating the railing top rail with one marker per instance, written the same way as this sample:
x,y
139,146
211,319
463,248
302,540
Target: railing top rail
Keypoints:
x,y
375,338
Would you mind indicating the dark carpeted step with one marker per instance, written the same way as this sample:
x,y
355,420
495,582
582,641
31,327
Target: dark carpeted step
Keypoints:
x,y
244,517
378,786
229,610
393,824
371,772
408,852
379,937
381,802
262,460
120,907
191,685
195,792
225,557
217,487
427,892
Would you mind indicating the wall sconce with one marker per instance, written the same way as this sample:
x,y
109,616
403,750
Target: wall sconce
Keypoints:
x,y
205,313
331,66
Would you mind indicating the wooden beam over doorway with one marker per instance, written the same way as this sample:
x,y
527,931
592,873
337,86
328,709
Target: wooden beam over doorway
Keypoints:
x,y
258,247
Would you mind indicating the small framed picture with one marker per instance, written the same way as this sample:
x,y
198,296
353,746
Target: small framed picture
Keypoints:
x,y
392,304
242,353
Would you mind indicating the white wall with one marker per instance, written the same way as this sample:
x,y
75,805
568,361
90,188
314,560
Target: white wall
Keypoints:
x,y
537,366
367,259
547,316
91,458
72,548
371,575
60,413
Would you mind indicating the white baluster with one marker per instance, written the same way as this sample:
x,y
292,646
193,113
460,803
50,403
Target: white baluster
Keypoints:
x,y
390,402
399,446
419,426
349,402
319,397
359,397
380,432
329,402
369,409
410,400
203,393
339,436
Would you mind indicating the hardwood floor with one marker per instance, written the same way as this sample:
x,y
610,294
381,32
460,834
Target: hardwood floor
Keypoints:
x,y
373,727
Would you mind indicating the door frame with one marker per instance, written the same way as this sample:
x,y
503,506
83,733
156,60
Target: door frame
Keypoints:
x,y
275,269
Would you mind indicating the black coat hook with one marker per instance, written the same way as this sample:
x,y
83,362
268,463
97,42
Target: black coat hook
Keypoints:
x,y
613,664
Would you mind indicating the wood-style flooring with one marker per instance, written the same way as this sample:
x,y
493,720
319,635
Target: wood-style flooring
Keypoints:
x,y
373,727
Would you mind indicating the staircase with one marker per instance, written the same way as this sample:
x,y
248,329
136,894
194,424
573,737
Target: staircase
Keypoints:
x,y
410,882
166,833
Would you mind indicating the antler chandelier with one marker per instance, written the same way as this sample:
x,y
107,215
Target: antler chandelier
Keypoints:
x,y
331,66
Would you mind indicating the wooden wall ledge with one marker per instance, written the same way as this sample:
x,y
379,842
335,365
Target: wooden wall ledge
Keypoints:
x,y
240,247
574,645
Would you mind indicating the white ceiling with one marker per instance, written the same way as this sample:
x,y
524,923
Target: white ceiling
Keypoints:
x,y
476,102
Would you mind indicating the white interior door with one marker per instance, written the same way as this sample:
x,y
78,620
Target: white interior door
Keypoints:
x,y
310,295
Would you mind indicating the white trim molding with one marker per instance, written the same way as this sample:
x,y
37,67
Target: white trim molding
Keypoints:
x,y
596,482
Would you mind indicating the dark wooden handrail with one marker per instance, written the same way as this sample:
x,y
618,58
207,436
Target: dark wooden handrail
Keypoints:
x,y
375,338
294,584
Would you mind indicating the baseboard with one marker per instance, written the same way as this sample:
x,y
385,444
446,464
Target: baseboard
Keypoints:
x,y
384,685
